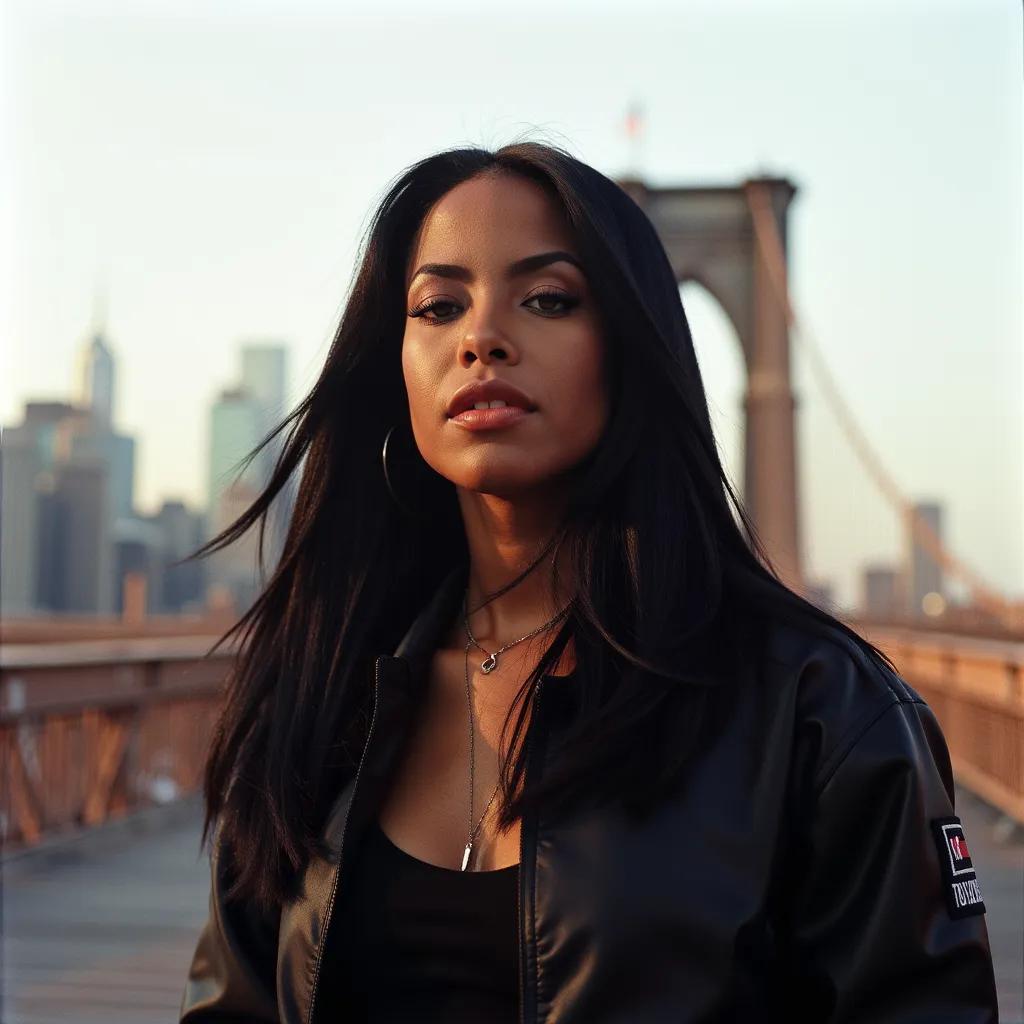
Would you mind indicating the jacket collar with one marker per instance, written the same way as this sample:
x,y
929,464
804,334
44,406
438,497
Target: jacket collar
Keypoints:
x,y
427,630
410,663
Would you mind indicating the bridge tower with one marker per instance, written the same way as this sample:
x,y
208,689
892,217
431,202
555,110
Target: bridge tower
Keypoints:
x,y
708,233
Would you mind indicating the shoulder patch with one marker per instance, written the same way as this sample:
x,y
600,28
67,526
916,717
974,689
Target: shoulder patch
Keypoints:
x,y
960,882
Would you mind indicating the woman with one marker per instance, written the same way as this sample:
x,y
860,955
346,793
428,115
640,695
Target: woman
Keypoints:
x,y
614,770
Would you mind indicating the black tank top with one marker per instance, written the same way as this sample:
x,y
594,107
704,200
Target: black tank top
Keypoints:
x,y
420,942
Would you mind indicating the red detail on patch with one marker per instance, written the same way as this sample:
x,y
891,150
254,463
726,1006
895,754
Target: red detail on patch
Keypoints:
x,y
959,847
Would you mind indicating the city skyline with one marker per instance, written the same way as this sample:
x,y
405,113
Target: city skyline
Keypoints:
x,y
81,433
75,542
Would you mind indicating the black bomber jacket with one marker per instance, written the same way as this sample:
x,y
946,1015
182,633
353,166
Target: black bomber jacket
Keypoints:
x,y
812,869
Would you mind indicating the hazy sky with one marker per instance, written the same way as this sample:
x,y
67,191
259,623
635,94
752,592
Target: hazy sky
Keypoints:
x,y
212,167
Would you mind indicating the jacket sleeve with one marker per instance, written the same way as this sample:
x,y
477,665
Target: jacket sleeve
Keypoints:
x,y
231,977
886,921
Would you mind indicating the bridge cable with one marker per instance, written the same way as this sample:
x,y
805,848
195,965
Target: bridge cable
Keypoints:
x,y
770,244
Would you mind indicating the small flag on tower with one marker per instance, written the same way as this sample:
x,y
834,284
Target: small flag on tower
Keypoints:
x,y
634,120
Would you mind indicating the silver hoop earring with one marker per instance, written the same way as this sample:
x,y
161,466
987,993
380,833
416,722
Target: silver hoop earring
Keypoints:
x,y
387,476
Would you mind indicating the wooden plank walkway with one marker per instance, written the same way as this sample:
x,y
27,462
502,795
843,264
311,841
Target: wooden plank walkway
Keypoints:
x,y
100,929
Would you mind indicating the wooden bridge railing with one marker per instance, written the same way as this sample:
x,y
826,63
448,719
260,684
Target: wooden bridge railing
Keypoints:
x,y
92,730
976,689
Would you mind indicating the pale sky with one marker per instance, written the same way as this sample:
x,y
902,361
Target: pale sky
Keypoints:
x,y
212,167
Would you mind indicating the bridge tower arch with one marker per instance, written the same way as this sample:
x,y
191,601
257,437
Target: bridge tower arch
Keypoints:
x,y
708,233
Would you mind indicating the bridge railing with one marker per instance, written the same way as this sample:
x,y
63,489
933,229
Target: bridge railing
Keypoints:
x,y
93,730
976,689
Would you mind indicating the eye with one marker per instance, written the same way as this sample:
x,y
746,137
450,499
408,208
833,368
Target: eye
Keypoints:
x,y
422,310
567,301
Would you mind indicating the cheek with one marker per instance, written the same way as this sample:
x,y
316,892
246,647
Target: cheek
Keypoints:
x,y
581,400
422,380
583,414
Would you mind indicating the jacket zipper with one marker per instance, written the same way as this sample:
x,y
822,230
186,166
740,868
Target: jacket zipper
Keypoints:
x,y
534,724
344,833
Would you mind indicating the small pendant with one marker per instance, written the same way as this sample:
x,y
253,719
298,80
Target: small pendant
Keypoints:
x,y
489,664
465,856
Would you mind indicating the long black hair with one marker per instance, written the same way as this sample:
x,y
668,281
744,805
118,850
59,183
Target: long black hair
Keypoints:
x,y
670,578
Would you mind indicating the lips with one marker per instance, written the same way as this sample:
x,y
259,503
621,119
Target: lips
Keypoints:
x,y
488,391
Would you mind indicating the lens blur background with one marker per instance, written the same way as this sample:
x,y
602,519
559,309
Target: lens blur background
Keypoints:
x,y
183,189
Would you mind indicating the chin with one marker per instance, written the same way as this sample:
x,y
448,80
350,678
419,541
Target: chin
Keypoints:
x,y
507,480
500,485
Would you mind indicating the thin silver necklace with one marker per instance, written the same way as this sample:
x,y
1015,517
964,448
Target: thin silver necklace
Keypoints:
x,y
490,663
487,666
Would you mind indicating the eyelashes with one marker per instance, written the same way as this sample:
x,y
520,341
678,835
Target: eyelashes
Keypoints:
x,y
569,302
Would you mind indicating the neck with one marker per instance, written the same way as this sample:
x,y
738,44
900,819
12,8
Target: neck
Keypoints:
x,y
503,538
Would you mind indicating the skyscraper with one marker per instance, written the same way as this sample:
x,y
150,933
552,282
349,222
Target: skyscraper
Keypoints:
x,y
57,516
20,466
30,449
82,539
96,379
240,418
91,442
68,491
882,589
181,586
95,438
925,571
96,371
236,420
263,377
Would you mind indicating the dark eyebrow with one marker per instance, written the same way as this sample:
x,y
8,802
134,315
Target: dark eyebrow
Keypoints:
x,y
523,266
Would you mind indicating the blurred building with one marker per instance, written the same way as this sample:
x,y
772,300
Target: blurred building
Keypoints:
x,y
96,377
20,466
93,437
28,508
263,377
235,421
57,513
70,477
926,594
138,551
181,587
883,595
75,553
83,537
88,441
71,535
240,419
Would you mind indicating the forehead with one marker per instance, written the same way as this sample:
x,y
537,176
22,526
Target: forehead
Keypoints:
x,y
490,220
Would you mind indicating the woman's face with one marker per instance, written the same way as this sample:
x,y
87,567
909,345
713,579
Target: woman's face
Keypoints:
x,y
474,316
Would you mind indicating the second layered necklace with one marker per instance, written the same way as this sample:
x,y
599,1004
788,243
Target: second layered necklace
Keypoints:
x,y
488,665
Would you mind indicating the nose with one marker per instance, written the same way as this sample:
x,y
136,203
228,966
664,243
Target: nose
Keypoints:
x,y
484,340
